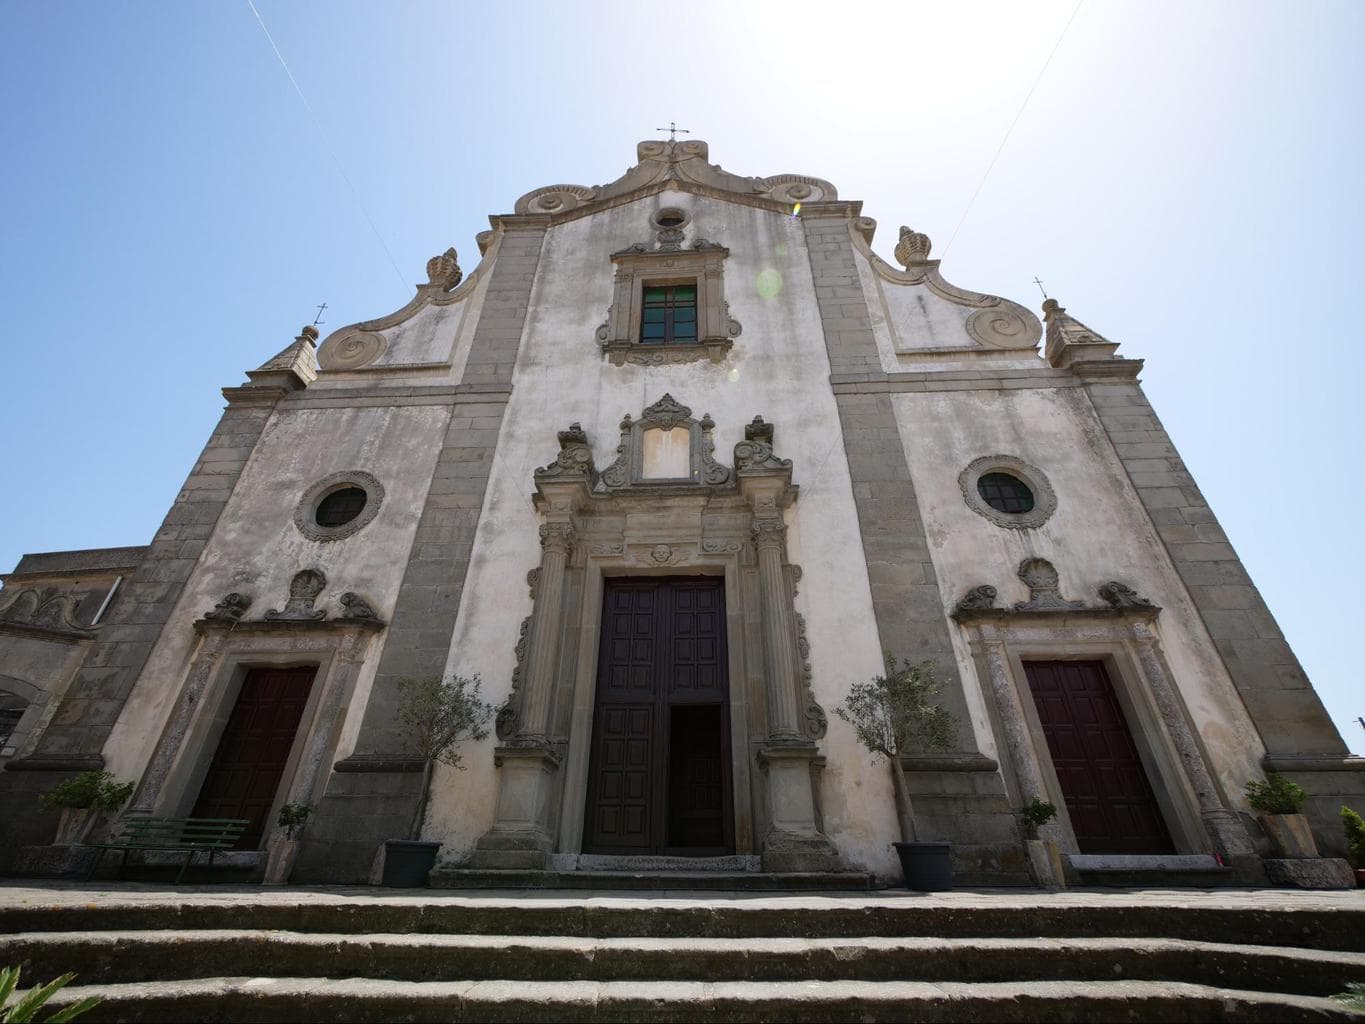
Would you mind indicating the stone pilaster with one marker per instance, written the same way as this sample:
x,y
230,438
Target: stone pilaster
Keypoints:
x,y
911,620
374,790
556,541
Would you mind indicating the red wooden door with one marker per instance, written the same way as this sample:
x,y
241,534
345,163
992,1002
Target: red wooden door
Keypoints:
x,y
659,777
245,774
1107,793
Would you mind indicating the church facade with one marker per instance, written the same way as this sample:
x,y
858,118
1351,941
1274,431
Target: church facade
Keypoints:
x,y
670,469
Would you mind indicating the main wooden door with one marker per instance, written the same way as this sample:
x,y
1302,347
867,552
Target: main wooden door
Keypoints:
x,y
659,775
245,774
1107,793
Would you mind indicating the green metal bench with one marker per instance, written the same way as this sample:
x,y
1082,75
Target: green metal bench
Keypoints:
x,y
190,835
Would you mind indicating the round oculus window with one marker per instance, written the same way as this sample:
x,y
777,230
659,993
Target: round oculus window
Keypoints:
x,y
340,507
1005,493
669,217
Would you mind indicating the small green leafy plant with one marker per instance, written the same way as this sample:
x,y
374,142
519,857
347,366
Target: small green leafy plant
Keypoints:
x,y
26,1007
437,714
1353,997
1354,827
1276,795
293,816
94,790
1034,815
895,713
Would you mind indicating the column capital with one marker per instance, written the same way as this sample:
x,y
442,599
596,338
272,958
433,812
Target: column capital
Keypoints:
x,y
557,537
769,533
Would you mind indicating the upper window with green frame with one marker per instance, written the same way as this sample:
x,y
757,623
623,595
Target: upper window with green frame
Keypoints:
x,y
669,314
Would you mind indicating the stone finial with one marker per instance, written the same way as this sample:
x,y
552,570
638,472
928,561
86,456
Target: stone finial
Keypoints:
x,y
444,270
759,430
912,248
309,334
1121,596
1069,340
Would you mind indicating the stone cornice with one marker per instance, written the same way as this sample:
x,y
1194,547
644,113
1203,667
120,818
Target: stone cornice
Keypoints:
x,y
33,763
1313,763
257,627
49,633
1060,616
1118,368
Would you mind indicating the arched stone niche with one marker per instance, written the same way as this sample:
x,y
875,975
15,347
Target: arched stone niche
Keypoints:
x,y
679,513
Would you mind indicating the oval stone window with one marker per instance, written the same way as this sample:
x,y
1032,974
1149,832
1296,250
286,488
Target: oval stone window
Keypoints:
x,y
1005,493
340,507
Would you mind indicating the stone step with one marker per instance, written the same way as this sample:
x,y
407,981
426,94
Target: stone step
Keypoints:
x,y
362,999
130,956
656,881
1270,919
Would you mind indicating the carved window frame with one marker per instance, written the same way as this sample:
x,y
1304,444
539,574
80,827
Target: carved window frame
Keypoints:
x,y
619,337
305,512
1044,497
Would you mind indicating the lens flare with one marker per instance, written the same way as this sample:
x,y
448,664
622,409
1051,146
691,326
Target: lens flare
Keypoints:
x,y
768,283
796,210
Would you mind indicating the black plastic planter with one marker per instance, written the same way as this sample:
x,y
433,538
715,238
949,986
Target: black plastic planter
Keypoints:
x,y
408,862
927,867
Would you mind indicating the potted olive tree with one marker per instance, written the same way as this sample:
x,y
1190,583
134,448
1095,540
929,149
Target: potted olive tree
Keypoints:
x,y
1044,855
892,715
1278,800
82,799
437,714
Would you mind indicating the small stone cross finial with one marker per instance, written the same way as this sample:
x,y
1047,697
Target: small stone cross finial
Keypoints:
x,y
673,130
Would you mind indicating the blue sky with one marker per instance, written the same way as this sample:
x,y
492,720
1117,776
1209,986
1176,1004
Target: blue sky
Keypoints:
x,y
1185,179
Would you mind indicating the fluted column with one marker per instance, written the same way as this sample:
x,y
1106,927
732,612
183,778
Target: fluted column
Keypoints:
x,y
556,541
779,631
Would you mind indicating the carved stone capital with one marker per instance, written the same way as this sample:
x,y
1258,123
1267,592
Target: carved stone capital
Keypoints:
x,y
557,537
769,533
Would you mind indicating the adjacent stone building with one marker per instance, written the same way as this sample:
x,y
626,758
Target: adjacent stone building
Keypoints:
x,y
670,469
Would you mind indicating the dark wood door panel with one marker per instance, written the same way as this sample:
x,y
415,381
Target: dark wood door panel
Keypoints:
x,y
245,773
1108,795
658,777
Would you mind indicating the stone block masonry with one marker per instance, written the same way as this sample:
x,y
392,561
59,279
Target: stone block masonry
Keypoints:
x,y
1269,678
374,791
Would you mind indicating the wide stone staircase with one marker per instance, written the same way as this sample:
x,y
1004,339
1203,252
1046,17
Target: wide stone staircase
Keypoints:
x,y
246,954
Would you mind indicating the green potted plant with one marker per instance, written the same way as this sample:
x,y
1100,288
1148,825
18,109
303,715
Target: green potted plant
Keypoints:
x,y
437,713
1278,800
1354,827
893,714
284,850
1044,856
81,799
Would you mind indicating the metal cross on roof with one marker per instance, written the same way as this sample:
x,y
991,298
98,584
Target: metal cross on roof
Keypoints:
x,y
1040,287
673,130
318,319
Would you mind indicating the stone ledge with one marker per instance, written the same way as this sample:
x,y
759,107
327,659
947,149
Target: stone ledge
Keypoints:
x,y
1314,873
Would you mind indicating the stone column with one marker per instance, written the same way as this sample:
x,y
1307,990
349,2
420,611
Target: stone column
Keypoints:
x,y
794,841
1225,829
556,541
783,677
1018,740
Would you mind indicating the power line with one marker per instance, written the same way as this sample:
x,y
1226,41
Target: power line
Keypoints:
x,y
328,144
971,202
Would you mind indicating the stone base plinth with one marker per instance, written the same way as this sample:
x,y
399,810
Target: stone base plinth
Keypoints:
x,y
1314,873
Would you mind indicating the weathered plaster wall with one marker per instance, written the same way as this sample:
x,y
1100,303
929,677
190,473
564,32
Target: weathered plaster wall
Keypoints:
x,y
256,549
778,368
1098,533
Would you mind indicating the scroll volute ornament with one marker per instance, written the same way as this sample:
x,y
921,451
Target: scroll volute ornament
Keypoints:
x,y
574,459
755,452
